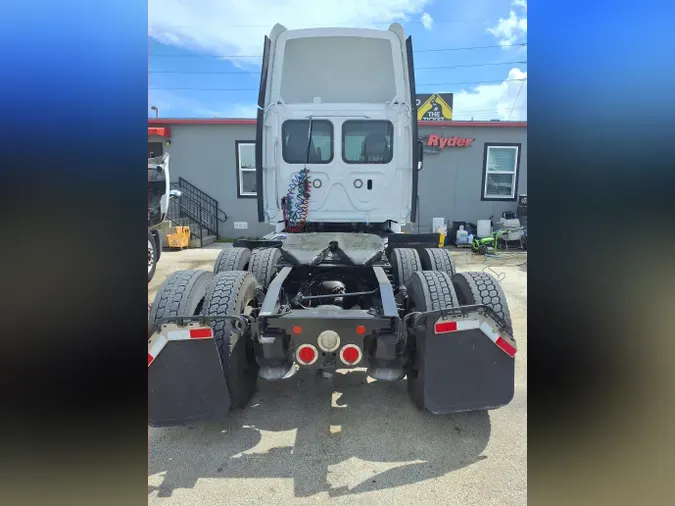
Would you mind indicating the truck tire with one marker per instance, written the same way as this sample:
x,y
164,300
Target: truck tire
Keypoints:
x,y
159,243
438,259
230,293
481,288
152,256
181,294
405,261
232,259
428,291
263,264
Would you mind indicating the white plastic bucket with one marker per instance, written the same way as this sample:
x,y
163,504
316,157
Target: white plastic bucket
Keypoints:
x,y
483,228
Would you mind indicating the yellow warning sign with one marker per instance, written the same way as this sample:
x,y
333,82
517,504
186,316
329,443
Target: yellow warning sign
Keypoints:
x,y
435,107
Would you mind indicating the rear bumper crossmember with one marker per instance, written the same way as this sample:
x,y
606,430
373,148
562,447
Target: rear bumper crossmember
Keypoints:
x,y
420,320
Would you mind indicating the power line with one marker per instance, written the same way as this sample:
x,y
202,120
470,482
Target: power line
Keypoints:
x,y
468,112
467,48
430,123
484,110
516,100
257,73
456,83
434,50
380,23
524,62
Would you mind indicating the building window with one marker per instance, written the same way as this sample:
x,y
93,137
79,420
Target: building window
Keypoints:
x,y
295,134
367,141
246,176
500,171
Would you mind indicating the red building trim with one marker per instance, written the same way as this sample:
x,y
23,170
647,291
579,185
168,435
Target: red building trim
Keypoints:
x,y
159,131
242,121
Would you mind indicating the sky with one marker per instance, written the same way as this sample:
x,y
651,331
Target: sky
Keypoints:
x,y
204,55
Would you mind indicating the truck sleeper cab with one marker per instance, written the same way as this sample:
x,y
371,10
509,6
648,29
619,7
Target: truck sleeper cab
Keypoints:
x,y
336,117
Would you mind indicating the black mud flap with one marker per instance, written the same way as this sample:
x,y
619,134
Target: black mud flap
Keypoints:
x,y
186,384
464,371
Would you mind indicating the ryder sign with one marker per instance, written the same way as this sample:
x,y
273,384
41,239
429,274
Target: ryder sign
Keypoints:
x,y
436,141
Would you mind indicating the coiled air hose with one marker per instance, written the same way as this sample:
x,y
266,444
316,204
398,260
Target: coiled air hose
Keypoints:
x,y
296,202
296,205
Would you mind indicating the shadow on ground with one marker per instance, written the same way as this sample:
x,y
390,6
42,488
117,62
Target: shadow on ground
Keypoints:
x,y
369,424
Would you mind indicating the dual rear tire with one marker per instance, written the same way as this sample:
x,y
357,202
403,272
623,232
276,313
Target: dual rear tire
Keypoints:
x,y
437,289
262,263
193,293
228,290
406,261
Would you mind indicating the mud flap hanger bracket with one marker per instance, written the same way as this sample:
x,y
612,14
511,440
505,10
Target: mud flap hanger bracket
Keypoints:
x,y
418,320
240,323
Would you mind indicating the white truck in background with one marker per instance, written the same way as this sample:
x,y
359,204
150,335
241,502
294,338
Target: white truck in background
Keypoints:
x,y
159,195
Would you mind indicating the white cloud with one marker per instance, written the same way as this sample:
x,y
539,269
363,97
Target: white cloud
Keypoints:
x,y
427,20
513,29
233,27
176,105
494,101
243,111
520,3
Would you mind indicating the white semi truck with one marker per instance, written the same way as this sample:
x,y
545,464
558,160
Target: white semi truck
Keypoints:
x,y
337,165
159,195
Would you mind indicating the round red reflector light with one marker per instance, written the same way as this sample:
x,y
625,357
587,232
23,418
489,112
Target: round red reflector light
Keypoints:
x,y
350,354
307,354
360,330
297,329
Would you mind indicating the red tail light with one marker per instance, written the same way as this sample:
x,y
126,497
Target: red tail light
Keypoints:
x,y
350,354
306,354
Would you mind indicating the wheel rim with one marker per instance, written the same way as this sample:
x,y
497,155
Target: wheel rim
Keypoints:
x,y
151,256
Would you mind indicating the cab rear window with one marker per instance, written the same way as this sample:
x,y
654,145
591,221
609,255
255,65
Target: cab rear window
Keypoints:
x,y
367,141
295,135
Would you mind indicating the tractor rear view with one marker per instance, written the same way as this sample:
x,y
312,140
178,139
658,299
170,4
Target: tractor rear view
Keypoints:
x,y
337,165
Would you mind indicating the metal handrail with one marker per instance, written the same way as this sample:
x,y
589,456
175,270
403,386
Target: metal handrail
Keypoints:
x,y
197,207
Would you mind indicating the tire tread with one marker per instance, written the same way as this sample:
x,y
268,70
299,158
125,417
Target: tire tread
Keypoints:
x,y
406,261
263,264
482,288
232,259
223,297
439,259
